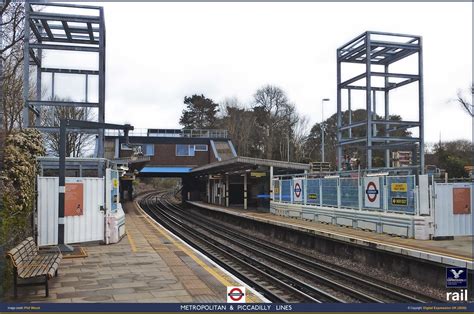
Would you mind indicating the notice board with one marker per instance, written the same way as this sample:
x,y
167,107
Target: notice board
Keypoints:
x,y
461,201
74,199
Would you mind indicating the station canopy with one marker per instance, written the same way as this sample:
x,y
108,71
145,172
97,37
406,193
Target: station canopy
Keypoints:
x,y
239,164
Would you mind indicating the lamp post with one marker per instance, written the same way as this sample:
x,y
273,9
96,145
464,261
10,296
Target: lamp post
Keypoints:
x,y
323,127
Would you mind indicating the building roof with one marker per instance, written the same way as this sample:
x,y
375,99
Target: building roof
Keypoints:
x,y
240,163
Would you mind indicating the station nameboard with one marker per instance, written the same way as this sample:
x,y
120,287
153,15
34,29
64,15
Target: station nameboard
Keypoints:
x,y
258,174
297,190
372,192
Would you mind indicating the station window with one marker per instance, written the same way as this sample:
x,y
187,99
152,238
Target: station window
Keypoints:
x,y
200,148
184,150
149,150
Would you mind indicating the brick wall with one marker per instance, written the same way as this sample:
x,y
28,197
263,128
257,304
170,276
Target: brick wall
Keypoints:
x,y
165,155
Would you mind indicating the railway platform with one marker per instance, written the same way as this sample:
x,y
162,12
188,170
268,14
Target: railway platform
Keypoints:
x,y
148,265
457,252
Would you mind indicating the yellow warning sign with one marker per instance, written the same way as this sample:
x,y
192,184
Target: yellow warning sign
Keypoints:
x,y
399,187
115,183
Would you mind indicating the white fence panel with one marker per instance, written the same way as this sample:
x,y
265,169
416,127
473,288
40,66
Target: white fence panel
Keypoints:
x,y
446,222
84,228
48,189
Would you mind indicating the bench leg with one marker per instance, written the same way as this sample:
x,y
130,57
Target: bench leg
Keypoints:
x,y
56,273
15,288
46,285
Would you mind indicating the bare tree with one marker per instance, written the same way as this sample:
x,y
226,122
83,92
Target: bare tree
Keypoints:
x,y
77,144
11,36
274,113
239,122
300,135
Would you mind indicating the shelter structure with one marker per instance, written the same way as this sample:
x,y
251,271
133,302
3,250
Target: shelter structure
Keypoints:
x,y
239,182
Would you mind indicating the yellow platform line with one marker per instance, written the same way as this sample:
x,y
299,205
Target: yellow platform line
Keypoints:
x,y
132,242
186,250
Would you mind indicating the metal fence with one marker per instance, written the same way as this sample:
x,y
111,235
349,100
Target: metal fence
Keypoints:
x,y
349,190
401,194
285,194
396,194
329,191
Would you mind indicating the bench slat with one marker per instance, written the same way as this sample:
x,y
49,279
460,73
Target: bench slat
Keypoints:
x,y
24,251
34,267
40,265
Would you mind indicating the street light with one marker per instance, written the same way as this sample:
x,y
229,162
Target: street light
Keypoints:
x,y
323,127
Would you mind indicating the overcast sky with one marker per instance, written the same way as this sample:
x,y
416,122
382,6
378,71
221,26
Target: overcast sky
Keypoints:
x,y
157,53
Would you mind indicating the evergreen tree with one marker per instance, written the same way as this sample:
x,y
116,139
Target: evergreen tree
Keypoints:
x,y
200,113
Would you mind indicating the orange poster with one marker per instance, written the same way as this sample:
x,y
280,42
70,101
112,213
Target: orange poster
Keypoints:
x,y
461,201
74,199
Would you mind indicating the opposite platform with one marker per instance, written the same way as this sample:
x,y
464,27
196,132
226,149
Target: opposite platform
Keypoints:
x,y
148,265
457,252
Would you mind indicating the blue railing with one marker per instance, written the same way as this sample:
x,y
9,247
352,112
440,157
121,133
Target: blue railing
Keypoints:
x,y
374,193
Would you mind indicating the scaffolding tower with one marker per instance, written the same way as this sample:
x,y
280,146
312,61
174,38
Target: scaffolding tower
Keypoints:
x,y
63,27
376,52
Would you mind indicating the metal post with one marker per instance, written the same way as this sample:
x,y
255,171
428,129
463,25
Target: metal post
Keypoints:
x,y
26,67
87,88
245,190
100,149
220,192
38,83
349,101
208,190
386,116
227,190
421,107
322,141
52,86
374,113
339,114
272,196
368,100
305,187
62,186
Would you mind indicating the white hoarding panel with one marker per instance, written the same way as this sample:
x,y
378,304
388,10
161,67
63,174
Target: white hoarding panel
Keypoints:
x,y
89,226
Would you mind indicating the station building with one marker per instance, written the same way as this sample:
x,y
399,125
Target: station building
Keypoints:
x,y
205,160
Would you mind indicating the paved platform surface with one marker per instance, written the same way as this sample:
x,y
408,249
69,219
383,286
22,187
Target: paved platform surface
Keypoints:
x,y
148,265
458,252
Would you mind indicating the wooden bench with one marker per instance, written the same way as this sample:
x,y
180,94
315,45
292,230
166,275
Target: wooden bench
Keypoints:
x,y
29,263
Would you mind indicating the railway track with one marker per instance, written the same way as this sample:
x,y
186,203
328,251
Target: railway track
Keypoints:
x,y
279,273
